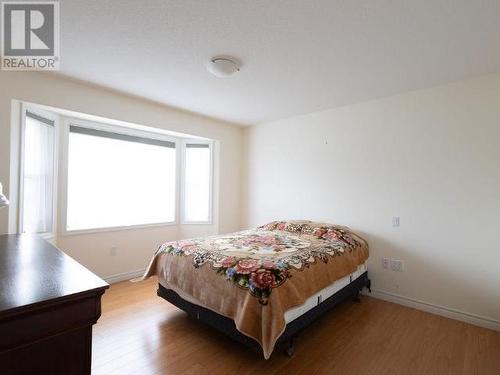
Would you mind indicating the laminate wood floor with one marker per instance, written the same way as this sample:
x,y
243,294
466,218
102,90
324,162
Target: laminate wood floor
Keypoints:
x,y
140,333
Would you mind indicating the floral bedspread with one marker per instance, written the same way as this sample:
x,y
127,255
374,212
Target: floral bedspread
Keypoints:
x,y
255,276
261,259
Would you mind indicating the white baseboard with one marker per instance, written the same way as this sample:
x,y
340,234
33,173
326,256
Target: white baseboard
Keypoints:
x,y
447,312
124,276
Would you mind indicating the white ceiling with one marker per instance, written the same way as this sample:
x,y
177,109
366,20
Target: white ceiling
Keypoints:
x,y
298,56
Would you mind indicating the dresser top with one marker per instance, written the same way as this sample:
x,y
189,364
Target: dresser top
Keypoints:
x,y
34,272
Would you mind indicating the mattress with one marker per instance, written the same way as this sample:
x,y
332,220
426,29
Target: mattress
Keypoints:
x,y
316,299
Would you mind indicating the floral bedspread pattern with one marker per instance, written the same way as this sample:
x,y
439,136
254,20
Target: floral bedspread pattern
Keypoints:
x,y
261,259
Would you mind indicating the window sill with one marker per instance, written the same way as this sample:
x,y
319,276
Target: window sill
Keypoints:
x,y
47,236
76,232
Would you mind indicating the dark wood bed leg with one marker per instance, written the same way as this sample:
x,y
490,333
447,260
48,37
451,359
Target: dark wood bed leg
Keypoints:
x,y
290,350
369,285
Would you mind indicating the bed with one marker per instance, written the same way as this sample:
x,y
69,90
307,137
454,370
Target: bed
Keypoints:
x,y
262,286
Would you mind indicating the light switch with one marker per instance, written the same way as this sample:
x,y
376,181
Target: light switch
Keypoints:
x,y
385,263
395,221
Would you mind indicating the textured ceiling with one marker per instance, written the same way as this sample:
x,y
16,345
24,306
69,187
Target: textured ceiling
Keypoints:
x,y
298,56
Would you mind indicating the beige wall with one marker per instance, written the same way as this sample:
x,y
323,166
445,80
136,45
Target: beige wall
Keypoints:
x,y
134,246
431,157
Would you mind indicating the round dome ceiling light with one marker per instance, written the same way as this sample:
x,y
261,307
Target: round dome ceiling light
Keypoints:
x,y
223,66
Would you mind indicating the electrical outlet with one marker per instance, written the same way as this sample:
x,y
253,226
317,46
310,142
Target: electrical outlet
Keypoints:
x,y
385,263
113,251
397,265
395,221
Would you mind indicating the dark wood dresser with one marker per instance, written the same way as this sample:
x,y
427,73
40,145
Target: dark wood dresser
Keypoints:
x,y
48,304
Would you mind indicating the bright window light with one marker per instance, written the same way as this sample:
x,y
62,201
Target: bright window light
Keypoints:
x,y
197,183
117,180
38,175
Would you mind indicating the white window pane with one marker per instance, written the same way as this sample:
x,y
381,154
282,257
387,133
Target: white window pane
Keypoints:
x,y
197,184
114,183
38,178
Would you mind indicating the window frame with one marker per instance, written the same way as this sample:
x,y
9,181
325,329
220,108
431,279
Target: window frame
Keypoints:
x,y
182,202
55,167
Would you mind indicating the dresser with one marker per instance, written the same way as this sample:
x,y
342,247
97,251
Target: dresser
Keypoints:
x,y
48,304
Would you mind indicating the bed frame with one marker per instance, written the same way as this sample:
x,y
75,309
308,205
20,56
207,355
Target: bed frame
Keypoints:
x,y
227,326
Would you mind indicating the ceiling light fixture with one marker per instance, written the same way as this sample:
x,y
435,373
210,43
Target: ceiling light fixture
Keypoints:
x,y
223,66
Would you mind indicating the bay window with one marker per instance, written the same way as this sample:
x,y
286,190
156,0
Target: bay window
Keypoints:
x,y
110,176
